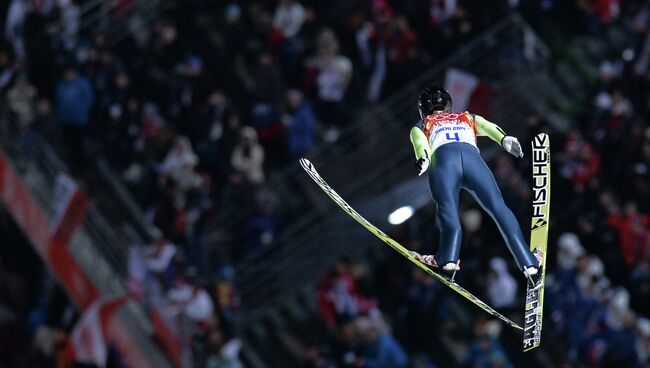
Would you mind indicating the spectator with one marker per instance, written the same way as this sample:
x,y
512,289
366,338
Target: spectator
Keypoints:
x,y
425,308
267,84
121,90
485,351
501,286
187,299
598,13
189,84
231,136
118,137
440,11
400,40
225,293
45,122
268,90
158,256
236,197
373,63
380,348
580,162
208,132
42,61
74,99
235,31
333,73
569,250
289,16
633,231
222,353
248,156
200,306
300,123
18,10
180,164
339,297
21,98
262,228
69,23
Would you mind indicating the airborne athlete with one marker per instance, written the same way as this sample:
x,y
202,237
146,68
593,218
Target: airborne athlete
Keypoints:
x,y
445,146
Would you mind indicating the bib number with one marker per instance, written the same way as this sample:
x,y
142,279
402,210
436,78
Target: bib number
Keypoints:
x,y
454,137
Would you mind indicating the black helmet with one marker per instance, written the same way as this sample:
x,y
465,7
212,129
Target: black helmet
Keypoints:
x,y
433,99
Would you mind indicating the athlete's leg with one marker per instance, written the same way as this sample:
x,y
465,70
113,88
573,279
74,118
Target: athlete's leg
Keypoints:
x,y
479,181
444,181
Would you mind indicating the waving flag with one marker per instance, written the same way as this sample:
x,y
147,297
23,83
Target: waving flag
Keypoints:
x,y
88,342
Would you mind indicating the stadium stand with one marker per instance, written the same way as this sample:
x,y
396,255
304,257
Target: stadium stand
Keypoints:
x,y
181,122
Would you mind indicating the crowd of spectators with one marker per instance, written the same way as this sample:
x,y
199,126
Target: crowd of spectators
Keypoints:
x,y
601,284
393,315
598,283
203,316
355,324
598,280
211,98
196,111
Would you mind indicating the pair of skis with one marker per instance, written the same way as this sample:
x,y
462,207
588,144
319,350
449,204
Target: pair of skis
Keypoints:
x,y
539,233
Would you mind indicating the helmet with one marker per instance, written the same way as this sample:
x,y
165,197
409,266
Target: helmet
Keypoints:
x,y
433,99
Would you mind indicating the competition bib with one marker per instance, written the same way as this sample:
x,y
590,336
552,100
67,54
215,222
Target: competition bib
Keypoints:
x,y
449,127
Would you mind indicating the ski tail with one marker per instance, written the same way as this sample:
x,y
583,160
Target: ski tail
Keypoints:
x,y
313,174
538,238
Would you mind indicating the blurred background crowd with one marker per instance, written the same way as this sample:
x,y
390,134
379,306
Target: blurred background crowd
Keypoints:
x,y
197,111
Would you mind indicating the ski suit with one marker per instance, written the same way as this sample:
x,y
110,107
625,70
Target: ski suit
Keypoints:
x,y
449,139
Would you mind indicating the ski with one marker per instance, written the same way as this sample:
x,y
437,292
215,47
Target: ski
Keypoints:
x,y
313,174
538,239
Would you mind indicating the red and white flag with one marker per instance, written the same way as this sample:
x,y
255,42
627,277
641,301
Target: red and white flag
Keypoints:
x,y
469,92
460,84
88,340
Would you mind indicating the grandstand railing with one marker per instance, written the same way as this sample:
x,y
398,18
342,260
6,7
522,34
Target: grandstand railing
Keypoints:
x,y
380,137
118,18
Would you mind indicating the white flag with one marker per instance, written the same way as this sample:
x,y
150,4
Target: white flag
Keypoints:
x,y
88,339
460,85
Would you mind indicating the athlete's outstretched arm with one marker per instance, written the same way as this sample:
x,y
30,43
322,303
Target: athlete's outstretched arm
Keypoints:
x,y
420,143
486,128
489,129
421,148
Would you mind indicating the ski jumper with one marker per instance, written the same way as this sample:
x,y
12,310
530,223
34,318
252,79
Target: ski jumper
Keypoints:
x,y
449,138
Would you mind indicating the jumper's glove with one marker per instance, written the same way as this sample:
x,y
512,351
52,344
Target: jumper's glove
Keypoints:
x,y
512,146
422,165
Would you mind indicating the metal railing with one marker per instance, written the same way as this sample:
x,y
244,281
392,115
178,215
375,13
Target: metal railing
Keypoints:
x,y
118,18
323,234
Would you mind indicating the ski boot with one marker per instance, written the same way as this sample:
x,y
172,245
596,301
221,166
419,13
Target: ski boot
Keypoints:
x,y
534,273
448,270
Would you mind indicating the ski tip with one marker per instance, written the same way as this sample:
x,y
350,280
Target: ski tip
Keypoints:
x,y
540,139
304,162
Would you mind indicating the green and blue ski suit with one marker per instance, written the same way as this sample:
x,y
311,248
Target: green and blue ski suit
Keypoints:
x,y
448,139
